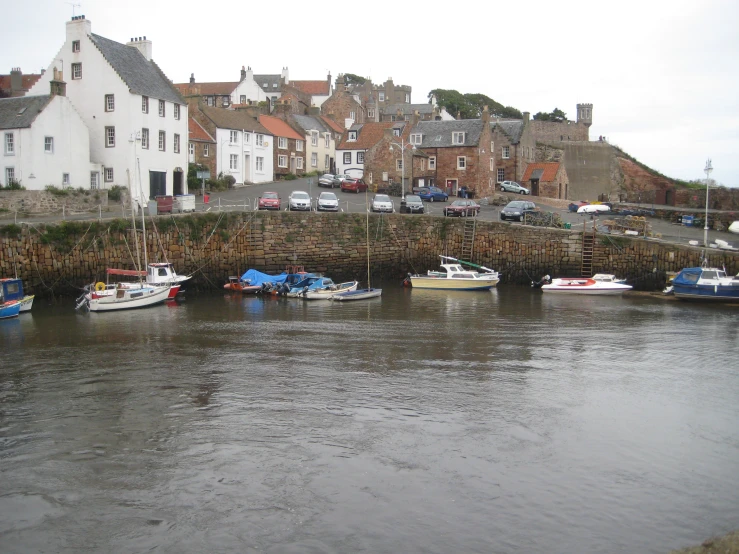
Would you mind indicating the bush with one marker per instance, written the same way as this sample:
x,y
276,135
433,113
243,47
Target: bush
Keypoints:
x,y
115,193
290,177
14,184
56,191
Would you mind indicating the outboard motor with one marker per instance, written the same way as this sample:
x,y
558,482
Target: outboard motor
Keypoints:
x,y
407,281
546,280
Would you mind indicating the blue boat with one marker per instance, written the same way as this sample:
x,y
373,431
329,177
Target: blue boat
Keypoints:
x,y
706,283
10,309
12,289
310,283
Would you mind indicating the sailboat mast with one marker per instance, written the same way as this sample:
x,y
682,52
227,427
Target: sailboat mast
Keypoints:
x,y
366,205
143,221
133,220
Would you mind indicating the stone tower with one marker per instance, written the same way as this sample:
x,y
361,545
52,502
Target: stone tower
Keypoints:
x,y
585,114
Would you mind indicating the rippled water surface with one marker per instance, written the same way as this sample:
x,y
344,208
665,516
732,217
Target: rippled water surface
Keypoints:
x,y
422,421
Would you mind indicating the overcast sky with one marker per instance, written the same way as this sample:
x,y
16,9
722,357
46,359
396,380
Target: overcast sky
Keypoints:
x,y
661,75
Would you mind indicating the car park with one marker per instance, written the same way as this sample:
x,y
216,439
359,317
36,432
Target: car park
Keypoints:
x,y
433,194
462,208
340,178
382,203
299,200
327,180
269,201
327,202
411,204
512,186
351,184
517,210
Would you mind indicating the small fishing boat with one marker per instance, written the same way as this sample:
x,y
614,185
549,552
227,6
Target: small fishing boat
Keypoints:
x,y
327,293
600,283
361,294
12,289
310,285
237,284
9,309
453,276
122,297
706,283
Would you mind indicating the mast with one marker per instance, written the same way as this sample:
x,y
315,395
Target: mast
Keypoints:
x,y
133,220
366,205
143,220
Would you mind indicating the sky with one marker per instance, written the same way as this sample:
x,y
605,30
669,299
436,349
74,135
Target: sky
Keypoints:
x,y
662,75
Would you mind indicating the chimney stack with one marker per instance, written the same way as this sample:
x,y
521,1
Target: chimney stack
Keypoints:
x,y
485,115
16,82
142,45
57,84
243,73
192,78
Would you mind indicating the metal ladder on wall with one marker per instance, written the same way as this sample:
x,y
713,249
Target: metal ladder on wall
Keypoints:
x,y
468,239
588,244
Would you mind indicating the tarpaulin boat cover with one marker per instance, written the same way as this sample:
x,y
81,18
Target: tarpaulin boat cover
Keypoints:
x,y
257,278
688,276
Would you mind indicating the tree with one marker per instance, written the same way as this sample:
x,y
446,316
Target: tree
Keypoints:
x,y
555,115
471,105
352,79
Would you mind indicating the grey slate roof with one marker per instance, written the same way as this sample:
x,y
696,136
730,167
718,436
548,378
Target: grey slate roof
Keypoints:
x,y
141,75
512,129
438,134
408,109
236,120
270,81
19,113
310,123
537,173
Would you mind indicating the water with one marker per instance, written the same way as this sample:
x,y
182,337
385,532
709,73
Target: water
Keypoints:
x,y
424,421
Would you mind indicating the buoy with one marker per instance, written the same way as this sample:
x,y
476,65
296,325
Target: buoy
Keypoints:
x,y
99,286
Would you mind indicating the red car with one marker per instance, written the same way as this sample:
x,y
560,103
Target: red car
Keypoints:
x,y
353,185
269,201
462,208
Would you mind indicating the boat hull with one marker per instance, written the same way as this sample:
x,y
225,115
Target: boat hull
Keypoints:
x,y
361,294
585,286
126,299
447,283
707,293
10,309
326,294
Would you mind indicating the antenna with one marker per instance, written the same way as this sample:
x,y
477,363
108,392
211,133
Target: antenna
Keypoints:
x,y
73,7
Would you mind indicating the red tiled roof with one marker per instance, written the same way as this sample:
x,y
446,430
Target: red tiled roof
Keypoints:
x,y
289,96
279,128
332,124
312,87
196,131
369,135
27,81
550,171
206,89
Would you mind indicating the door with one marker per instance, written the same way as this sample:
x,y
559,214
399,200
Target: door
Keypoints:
x,y
157,183
535,187
247,168
191,152
177,181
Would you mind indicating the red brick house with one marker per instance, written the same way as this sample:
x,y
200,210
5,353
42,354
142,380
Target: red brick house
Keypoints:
x,y
548,179
289,147
343,107
17,84
201,147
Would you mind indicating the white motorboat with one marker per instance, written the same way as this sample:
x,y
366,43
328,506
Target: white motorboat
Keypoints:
x,y
330,291
453,276
734,227
124,297
600,283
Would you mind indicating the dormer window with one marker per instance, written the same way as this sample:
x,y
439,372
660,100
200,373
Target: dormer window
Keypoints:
x,y
457,137
75,46
416,138
396,132
352,136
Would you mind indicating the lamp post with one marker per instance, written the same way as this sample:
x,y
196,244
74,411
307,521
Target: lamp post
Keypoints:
x,y
402,161
708,170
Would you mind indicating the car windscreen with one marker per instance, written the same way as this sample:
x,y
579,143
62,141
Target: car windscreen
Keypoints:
x,y
382,198
412,198
327,196
270,195
300,195
516,205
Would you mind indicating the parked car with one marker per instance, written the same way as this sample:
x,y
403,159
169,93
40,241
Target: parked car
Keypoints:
x,y
512,186
353,185
412,204
340,178
462,208
299,200
382,203
269,201
326,180
516,210
327,202
433,194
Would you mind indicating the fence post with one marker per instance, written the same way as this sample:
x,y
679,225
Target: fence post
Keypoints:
x,y
100,212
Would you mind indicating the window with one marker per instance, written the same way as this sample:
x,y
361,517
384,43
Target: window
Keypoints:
x,y
75,46
109,137
206,150
9,144
145,139
299,145
382,97
161,108
108,174
492,164
492,147
191,149
399,164
352,115
260,163
176,111
506,152
65,179
225,100
314,138
94,179
162,141
416,138
407,98
396,132
209,100
347,157
360,157
247,140
457,137
76,71
242,99
49,145
109,102
9,175
352,136
371,113
176,143
432,162
299,162
282,143
501,175
145,104
461,162
234,162
328,140
233,137
282,161
314,159
260,140
326,162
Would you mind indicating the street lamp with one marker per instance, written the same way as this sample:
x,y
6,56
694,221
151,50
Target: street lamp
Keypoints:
x,y
402,161
708,170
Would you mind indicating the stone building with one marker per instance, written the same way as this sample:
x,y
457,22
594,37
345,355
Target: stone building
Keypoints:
x,y
393,159
289,148
344,108
547,179
357,140
201,147
16,83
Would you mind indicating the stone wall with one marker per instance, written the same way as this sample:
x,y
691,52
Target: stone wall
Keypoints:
x,y
62,258
551,131
41,202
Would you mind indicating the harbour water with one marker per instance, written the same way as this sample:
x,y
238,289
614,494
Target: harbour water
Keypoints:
x,y
423,421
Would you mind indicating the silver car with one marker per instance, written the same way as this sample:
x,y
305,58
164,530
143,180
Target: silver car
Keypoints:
x,y
327,202
382,203
512,186
299,200
326,180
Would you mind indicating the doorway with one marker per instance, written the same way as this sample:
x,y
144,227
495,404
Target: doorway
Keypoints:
x,y
177,181
157,183
247,168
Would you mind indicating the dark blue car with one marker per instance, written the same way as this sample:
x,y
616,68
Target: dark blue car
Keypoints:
x,y
432,194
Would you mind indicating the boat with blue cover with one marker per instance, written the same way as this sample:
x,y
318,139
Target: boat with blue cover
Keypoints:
x,y
706,283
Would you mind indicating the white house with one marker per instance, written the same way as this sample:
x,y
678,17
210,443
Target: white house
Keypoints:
x,y
45,142
320,145
136,118
248,90
357,140
244,148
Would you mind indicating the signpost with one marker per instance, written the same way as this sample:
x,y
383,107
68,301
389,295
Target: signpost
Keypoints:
x,y
203,175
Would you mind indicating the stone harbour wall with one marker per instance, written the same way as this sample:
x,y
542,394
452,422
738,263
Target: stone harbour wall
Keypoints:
x,y
60,259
